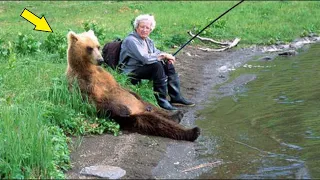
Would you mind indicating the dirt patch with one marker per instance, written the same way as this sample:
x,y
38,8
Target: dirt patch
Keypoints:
x,y
155,157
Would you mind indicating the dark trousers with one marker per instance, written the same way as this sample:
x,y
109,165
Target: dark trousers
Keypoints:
x,y
157,72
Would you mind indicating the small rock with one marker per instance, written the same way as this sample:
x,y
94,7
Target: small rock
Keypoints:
x,y
223,69
266,58
285,46
221,76
111,172
288,53
283,97
291,146
309,132
279,42
312,35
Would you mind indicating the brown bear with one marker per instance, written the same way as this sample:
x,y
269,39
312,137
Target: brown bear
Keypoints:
x,y
110,99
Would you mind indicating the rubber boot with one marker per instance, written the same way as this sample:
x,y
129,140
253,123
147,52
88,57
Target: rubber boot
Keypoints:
x,y
135,81
160,89
174,92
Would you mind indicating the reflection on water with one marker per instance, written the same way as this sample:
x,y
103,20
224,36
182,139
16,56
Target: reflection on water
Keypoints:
x,y
268,127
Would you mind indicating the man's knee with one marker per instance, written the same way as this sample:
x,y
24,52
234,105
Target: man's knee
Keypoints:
x,y
158,71
157,66
169,69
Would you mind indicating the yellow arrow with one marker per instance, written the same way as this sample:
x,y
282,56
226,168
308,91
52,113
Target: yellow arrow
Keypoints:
x,y
40,24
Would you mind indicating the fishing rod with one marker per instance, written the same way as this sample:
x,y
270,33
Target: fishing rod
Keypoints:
x,y
206,27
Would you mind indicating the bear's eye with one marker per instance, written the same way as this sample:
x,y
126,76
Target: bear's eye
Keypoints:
x,y
98,47
89,49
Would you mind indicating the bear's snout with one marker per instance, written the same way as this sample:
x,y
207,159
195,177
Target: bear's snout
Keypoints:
x,y
100,61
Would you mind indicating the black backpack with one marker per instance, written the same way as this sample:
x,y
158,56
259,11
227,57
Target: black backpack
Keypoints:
x,y
111,53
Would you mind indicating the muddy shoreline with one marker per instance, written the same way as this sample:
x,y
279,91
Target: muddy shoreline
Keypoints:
x,y
149,157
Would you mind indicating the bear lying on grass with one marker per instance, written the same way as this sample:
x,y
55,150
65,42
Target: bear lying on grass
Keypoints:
x,y
110,99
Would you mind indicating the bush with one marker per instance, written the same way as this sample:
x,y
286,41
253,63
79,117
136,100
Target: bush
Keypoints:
x,y
8,53
99,32
56,43
26,44
176,40
4,49
217,29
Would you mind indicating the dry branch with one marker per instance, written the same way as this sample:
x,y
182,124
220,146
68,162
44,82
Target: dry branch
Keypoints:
x,y
226,45
209,39
234,43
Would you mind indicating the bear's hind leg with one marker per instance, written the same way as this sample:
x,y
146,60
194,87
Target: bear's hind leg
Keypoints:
x,y
156,125
175,116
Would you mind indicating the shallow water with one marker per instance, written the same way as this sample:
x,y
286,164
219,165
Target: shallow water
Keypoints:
x,y
265,123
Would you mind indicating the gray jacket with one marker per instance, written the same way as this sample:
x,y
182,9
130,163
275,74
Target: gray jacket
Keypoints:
x,y
132,54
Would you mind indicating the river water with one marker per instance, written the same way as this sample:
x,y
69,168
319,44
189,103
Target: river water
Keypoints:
x,y
265,121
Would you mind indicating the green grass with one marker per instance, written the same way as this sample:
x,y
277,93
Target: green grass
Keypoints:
x,y
254,22
28,144
35,105
36,108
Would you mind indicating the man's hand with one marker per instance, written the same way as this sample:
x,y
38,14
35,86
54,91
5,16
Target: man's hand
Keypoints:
x,y
167,57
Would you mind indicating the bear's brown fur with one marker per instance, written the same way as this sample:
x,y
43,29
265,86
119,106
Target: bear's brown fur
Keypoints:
x,y
126,107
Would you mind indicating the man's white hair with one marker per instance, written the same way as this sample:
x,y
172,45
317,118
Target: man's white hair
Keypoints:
x,y
144,17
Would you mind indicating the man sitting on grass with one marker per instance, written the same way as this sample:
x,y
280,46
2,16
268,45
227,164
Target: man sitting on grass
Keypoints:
x,y
140,59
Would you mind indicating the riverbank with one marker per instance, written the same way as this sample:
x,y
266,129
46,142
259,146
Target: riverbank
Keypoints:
x,y
154,157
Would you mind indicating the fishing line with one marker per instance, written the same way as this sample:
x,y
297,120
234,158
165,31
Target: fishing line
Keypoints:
x,y
207,27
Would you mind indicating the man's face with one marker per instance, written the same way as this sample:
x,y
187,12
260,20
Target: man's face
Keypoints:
x,y
144,29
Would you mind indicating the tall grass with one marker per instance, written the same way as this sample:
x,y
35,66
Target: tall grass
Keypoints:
x,y
73,112
27,146
37,110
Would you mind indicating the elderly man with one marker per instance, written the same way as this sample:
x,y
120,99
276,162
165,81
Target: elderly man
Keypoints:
x,y
140,59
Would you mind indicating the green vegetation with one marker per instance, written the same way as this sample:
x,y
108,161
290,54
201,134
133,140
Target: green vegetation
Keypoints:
x,y
36,109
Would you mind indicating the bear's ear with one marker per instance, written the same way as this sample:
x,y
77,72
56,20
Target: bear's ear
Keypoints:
x,y
72,36
91,32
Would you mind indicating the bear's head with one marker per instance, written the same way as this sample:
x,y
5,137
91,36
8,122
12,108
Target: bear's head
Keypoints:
x,y
84,47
